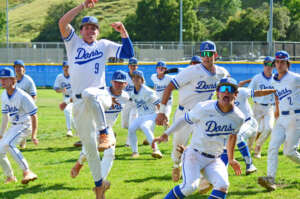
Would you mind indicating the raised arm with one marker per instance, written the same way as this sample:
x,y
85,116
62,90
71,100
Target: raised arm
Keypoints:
x,y
242,83
64,22
259,93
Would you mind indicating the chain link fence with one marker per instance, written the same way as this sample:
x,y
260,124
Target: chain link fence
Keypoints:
x,y
52,52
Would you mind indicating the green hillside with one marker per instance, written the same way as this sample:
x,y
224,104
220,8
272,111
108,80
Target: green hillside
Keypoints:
x,y
27,16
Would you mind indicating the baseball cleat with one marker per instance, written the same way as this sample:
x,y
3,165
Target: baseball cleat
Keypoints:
x,y
10,179
176,174
145,142
29,176
267,182
78,144
105,142
135,155
204,186
251,169
100,191
157,154
257,155
69,133
76,169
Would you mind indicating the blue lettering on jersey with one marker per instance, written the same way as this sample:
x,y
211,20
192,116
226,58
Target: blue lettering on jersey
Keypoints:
x,y
159,88
86,56
141,103
64,85
283,93
213,126
129,88
202,86
237,103
262,86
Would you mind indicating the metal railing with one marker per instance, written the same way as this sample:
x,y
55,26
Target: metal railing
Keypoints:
x,y
54,52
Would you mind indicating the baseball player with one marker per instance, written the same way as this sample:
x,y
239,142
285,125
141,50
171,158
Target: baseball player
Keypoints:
x,y
129,112
120,97
62,85
146,102
250,125
20,109
213,122
25,83
195,83
161,81
263,107
287,127
87,57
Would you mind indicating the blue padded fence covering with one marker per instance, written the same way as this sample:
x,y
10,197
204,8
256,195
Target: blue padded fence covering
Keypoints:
x,y
44,74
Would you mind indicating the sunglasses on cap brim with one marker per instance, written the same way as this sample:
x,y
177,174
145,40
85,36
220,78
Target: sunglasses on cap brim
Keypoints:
x,y
270,64
228,88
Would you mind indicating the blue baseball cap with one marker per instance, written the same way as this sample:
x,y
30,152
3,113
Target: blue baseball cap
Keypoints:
x,y
268,59
228,81
19,62
208,46
196,59
65,63
119,76
132,61
138,73
282,55
89,20
7,72
161,64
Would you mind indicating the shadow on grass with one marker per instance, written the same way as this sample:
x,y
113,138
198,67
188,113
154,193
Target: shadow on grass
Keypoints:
x,y
35,189
148,195
165,177
143,156
51,149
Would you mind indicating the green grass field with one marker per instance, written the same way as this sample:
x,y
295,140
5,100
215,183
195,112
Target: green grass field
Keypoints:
x,y
141,178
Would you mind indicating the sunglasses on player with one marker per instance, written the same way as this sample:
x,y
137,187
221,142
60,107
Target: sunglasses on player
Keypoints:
x,y
270,64
207,54
228,88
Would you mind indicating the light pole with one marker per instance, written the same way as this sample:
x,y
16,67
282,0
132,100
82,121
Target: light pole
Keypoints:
x,y
270,31
7,34
180,24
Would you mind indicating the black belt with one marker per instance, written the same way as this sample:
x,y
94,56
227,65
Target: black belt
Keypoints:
x,y
288,112
247,119
180,107
208,155
265,104
78,96
16,123
67,95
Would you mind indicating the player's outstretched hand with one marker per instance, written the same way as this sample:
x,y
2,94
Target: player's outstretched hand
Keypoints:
x,y
236,167
180,148
162,138
114,102
35,141
62,106
89,3
161,119
118,26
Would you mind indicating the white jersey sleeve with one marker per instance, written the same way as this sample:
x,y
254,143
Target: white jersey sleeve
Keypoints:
x,y
27,85
194,115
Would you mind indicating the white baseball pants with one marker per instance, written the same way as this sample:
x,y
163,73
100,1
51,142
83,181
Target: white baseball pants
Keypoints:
x,y
89,118
107,159
287,131
180,137
13,136
248,130
128,114
214,170
68,115
145,123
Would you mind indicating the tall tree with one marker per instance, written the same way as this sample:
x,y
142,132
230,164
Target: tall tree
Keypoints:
x,y
2,23
50,31
158,20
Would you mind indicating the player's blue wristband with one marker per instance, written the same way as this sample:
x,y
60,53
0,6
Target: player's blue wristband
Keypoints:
x,y
126,49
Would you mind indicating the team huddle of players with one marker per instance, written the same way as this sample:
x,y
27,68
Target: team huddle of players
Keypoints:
x,y
215,126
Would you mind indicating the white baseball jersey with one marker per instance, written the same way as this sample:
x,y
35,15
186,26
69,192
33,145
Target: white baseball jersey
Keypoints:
x,y
130,85
288,91
27,84
242,101
61,82
145,100
161,84
20,106
211,126
87,61
196,83
260,82
111,114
